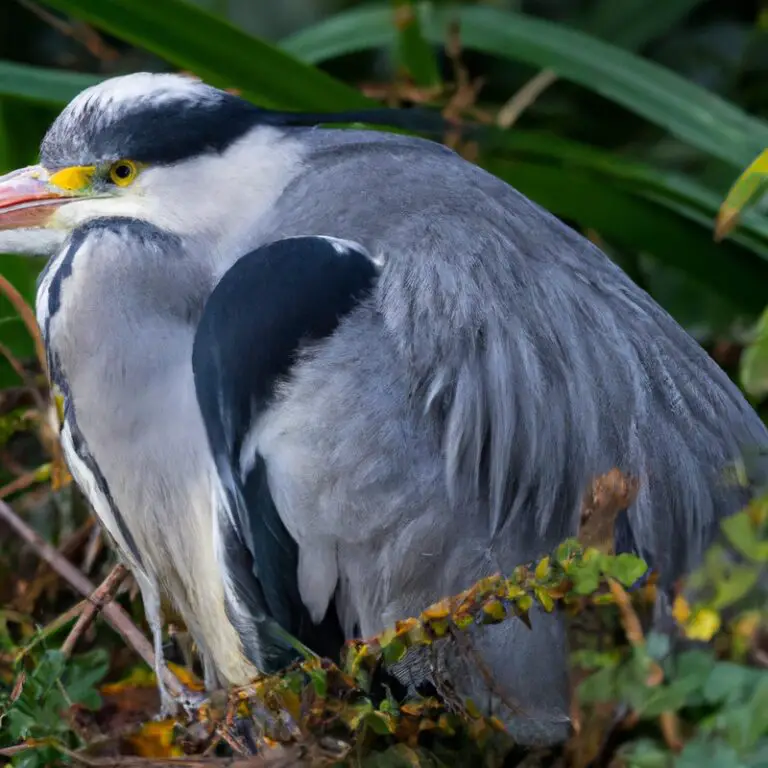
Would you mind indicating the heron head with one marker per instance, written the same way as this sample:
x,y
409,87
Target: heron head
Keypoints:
x,y
166,149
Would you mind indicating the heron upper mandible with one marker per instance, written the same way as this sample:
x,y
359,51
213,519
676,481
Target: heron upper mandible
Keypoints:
x,y
316,379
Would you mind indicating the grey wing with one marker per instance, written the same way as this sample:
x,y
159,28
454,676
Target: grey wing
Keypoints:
x,y
270,303
544,365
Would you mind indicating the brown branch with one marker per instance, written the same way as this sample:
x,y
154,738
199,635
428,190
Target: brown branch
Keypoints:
x,y
117,618
23,482
606,497
670,730
81,33
274,757
14,362
96,602
50,629
510,113
27,315
629,619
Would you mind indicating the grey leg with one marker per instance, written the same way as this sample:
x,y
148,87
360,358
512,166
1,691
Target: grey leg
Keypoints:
x,y
150,595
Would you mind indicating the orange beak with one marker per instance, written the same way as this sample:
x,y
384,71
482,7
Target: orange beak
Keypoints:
x,y
27,198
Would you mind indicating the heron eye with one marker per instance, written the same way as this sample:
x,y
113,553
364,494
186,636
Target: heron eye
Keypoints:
x,y
123,172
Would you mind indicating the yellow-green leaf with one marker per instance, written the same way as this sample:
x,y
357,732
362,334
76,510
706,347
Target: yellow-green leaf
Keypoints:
x,y
754,361
745,192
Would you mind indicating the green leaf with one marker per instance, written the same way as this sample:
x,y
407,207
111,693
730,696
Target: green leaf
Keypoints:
x,y
734,585
598,687
758,709
746,192
47,673
741,534
414,53
631,24
625,568
707,753
754,361
646,753
378,724
694,663
726,683
662,97
83,674
46,86
393,651
218,52
319,680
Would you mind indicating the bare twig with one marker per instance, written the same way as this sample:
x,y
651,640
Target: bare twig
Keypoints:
x,y
670,730
27,315
82,33
16,749
509,114
605,498
28,479
117,618
45,575
96,602
629,619
50,629
14,362
275,757
92,549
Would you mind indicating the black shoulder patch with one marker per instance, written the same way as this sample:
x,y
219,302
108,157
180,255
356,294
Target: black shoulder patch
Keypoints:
x,y
269,303
256,320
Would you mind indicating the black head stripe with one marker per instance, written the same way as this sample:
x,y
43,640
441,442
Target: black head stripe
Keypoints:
x,y
167,130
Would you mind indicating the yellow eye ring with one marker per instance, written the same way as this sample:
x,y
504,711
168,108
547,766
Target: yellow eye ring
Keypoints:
x,y
123,172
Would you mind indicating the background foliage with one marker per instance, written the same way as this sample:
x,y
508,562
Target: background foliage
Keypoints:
x,y
630,120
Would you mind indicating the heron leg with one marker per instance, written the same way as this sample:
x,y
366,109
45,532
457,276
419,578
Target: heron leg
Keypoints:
x,y
150,595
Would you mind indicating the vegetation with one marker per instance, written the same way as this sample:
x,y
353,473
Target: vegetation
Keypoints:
x,y
642,123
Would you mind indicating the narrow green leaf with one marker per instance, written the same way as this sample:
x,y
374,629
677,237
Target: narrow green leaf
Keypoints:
x,y
46,86
686,110
414,53
218,52
632,23
754,361
746,191
319,679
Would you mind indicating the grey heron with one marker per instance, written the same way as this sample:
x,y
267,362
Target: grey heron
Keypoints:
x,y
316,379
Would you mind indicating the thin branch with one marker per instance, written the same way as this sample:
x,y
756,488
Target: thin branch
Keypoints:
x,y
96,602
50,629
117,618
83,34
509,114
275,757
27,315
39,475
13,361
